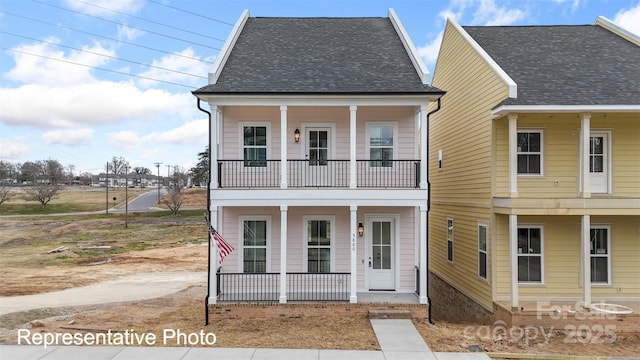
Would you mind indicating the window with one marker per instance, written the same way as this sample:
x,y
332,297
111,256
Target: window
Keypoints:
x,y
482,251
440,159
450,239
530,153
254,146
318,246
254,246
530,255
599,257
381,145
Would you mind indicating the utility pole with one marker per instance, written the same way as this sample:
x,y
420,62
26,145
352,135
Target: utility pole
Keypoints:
x,y
106,182
168,178
126,197
157,164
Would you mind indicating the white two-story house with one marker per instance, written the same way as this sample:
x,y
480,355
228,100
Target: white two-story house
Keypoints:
x,y
318,159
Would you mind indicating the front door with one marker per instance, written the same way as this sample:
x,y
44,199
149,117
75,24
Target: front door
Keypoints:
x,y
599,162
317,171
381,253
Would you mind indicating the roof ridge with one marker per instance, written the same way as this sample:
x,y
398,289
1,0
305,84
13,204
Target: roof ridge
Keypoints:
x,y
319,17
523,26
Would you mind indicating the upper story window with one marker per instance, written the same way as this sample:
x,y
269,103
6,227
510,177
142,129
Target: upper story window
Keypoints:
x,y
529,152
381,139
254,145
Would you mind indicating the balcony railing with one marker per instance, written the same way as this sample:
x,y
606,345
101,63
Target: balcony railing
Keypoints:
x,y
256,287
319,173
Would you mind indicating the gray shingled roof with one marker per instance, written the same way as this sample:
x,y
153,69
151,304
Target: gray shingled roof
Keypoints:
x,y
318,56
564,65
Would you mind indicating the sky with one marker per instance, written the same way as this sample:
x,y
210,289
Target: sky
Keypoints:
x,y
82,81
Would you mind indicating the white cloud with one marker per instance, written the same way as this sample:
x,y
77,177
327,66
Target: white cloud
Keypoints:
x,y
128,33
629,19
177,62
574,3
101,102
187,133
129,140
103,7
14,148
69,137
429,52
489,14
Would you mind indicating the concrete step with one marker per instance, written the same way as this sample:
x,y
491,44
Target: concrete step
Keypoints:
x,y
389,314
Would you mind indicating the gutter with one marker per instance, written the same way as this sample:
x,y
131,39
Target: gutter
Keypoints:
x,y
206,299
429,207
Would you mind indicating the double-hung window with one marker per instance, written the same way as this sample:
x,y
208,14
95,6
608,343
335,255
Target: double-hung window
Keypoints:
x,y
254,145
599,255
381,143
450,239
254,244
482,251
530,255
529,152
319,245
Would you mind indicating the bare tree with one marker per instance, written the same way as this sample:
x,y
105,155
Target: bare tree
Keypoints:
x,y
139,172
177,183
5,194
43,193
117,166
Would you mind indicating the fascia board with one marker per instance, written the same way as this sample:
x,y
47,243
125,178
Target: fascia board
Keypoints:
x,y
223,55
618,30
506,109
418,64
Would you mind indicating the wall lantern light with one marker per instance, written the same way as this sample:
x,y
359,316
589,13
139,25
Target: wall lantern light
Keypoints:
x,y
360,229
296,135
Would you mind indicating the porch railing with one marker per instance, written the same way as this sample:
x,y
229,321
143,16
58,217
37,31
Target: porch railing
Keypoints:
x,y
319,173
256,287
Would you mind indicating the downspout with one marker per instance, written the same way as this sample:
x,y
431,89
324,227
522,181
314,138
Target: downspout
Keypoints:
x,y
206,299
429,208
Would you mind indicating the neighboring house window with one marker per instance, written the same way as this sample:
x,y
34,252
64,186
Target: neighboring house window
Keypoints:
x,y
254,246
254,146
600,253
450,239
530,255
318,246
482,251
440,159
381,145
530,152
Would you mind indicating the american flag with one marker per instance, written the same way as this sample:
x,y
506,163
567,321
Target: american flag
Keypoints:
x,y
224,248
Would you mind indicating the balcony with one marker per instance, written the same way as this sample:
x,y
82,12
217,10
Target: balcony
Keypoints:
x,y
388,174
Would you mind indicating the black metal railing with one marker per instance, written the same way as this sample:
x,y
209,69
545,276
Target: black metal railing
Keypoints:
x,y
265,287
319,173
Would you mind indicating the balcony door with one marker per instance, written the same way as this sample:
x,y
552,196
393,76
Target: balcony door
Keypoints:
x,y
318,171
381,265
599,159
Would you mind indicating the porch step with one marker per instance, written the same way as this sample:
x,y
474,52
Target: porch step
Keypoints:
x,y
389,314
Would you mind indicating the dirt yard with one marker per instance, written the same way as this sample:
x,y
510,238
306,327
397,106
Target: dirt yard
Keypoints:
x,y
97,248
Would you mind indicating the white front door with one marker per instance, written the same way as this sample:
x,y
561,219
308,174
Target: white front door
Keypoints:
x,y
317,171
381,253
599,162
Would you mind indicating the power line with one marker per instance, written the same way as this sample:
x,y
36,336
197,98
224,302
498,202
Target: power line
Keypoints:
x,y
104,37
95,67
104,55
150,21
189,12
121,24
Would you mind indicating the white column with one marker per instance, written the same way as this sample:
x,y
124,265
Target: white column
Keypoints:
x,y
424,244
585,136
353,176
213,258
513,155
424,162
353,297
283,147
213,140
283,254
513,258
585,253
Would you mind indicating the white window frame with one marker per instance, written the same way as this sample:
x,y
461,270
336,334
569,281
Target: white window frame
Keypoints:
x,y
485,251
450,240
608,256
241,221
305,241
541,132
371,124
439,159
241,145
541,228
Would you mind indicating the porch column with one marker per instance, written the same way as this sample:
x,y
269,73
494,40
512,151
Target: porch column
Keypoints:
x,y
585,140
283,254
513,251
213,163
213,257
585,248
513,154
283,147
353,176
353,297
424,244
423,146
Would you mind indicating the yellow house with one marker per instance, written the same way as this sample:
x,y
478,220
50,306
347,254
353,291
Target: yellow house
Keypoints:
x,y
534,166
